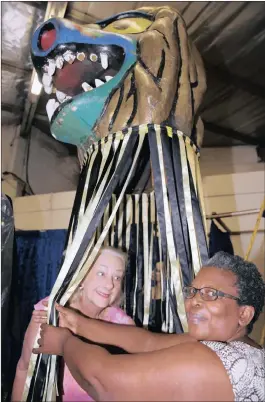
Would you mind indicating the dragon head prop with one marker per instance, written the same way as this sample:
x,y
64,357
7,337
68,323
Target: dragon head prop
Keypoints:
x,y
134,68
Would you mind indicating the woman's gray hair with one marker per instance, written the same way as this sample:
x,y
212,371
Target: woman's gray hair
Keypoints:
x,y
116,251
250,284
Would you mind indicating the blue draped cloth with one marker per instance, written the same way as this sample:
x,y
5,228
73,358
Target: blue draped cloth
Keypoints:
x,y
37,260
39,255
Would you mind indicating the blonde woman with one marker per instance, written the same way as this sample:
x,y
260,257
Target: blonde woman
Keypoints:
x,y
98,297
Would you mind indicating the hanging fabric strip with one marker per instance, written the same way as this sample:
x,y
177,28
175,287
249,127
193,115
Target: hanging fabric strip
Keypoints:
x,y
148,250
188,206
176,204
181,227
140,267
171,247
136,225
76,206
191,157
198,222
81,190
198,180
86,185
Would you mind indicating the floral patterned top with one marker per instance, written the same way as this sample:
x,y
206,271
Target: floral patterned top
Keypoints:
x,y
245,367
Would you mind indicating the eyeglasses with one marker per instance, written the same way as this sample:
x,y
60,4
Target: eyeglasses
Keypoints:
x,y
207,294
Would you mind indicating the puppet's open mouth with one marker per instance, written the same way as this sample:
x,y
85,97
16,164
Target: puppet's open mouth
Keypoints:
x,y
73,69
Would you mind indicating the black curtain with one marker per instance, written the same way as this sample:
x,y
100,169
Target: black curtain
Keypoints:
x,y
219,241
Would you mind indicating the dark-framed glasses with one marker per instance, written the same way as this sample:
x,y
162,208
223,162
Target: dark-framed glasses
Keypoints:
x,y
207,294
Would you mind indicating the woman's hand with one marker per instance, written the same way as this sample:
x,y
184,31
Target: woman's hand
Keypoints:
x,y
68,318
52,340
40,316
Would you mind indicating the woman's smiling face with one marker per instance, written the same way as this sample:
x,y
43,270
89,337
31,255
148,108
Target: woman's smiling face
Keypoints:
x,y
214,320
102,286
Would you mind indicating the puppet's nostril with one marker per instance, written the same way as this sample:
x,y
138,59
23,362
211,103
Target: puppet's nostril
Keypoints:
x,y
47,38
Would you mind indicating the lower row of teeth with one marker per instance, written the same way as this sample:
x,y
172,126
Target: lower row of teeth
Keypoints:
x,y
52,105
62,97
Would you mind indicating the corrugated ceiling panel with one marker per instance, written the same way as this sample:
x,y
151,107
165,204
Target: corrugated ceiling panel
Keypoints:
x,y
19,20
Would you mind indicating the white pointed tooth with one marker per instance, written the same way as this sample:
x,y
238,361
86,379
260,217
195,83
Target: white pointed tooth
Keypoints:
x,y
48,89
59,61
51,67
50,108
71,59
104,60
46,80
86,87
69,56
46,68
108,78
60,96
98,83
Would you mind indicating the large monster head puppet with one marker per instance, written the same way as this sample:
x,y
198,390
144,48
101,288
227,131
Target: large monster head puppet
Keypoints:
x,y
134,68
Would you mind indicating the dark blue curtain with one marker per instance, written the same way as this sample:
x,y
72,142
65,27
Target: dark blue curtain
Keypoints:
x,y
7,247
37,260
38,257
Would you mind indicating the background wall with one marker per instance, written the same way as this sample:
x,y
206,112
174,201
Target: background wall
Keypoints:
x,y
238,192
48,166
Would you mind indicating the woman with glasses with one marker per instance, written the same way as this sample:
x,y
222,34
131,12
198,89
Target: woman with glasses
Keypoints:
x,y
215,361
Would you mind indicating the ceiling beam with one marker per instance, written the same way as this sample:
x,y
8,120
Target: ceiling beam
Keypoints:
x,y
81,18
228,132
234,80
11,66
37,4
6,107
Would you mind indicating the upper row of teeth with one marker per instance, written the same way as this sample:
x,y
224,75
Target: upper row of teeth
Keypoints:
x,y
69,57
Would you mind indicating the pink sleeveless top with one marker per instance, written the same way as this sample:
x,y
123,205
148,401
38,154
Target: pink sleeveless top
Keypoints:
x,y
72,391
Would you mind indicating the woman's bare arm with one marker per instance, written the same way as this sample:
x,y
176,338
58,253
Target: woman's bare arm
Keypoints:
x,y
23,363
180,373
130,338
185,372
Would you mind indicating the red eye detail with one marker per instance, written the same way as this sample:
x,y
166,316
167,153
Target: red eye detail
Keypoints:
x,y
47,39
